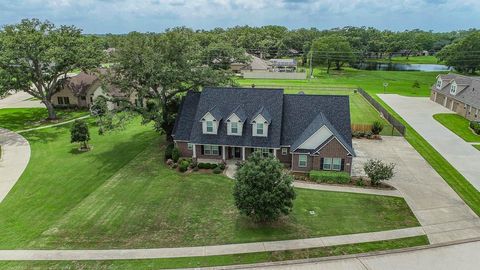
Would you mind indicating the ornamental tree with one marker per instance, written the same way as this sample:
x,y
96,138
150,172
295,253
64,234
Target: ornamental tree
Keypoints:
x,y
79,133
36,56
378,171
263,190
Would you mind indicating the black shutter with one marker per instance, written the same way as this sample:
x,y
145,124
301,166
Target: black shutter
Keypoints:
x,y
202,150
220,150
321,164
342,167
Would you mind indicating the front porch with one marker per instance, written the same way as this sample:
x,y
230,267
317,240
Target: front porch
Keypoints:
x,y
225,153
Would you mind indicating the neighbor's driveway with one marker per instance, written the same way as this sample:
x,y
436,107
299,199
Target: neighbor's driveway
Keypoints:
x,y
14,159
418,112
20,100
442,214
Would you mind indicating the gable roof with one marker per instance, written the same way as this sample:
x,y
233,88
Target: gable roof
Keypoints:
x,y
304,114
239,112
80,83
264,113
293,118
468,88
214,112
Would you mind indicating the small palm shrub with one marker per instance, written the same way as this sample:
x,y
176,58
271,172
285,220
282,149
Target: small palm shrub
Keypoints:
x,y
377,127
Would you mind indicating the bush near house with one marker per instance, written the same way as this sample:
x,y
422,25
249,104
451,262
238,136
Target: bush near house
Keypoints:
x,y
377,127
168,151
217,170
475,126
207,166
330,177
378,171
175,154
183,165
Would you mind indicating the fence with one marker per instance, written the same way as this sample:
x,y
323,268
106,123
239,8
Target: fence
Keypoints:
x,y
392,120
361,127
274,75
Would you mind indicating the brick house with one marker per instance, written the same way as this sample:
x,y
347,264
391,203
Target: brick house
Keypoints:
x,y
458,93
305,132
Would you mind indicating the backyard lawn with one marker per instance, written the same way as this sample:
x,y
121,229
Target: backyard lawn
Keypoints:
x,y
19,119
458,125
121,195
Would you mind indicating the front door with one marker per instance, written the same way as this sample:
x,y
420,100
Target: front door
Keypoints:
x,y
237,152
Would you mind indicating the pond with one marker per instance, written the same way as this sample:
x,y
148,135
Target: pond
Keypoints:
x,y
401,67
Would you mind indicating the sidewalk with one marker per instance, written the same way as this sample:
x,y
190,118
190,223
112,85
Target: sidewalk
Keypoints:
x,y
13,161
119,254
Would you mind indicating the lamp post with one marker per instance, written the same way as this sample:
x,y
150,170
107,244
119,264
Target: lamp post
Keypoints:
x,y
385,84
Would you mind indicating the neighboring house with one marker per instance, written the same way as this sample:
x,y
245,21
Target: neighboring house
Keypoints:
x,y
256,64
458,93
80,91
305,132
283,65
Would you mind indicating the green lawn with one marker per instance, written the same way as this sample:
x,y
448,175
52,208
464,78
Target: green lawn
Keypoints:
x,y
209,261
19,119
121,195
458,125
477,146
400,82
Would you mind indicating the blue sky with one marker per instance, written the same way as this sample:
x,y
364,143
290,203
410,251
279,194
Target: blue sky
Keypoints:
x,y
123,16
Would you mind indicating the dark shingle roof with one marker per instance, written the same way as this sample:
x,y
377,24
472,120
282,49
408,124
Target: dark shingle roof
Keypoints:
x,y
301,115
250,100
293,118
185,118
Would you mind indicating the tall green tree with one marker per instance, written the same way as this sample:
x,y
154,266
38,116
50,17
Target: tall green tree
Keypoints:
x,y
36,56
263,190
160,67
331,50
463,55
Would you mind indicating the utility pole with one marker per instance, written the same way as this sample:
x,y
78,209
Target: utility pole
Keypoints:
x,y
311,66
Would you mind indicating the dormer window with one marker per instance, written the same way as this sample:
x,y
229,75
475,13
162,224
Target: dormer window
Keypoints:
x,y
234,128
209,126
235,123
439,83
210,123
453,88
259,129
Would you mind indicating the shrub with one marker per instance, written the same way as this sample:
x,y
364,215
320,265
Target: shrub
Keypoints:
x,y
195,169
358,134
217,170
378,171
175,154
377,127
183,166
475,126
175,165
368,135
79,133
221,166
263,190
330,177
169,162
168,151
194,164
207,165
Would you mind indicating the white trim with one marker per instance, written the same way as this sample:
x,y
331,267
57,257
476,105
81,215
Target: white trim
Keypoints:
x,y
306,161
314,135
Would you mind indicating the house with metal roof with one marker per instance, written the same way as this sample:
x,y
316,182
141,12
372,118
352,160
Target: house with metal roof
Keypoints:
x,y
305,132
458,93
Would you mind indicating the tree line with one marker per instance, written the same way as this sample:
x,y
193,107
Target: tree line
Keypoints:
x,y
36,57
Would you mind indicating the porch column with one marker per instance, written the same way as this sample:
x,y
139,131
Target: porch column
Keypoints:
x,y
194,150
223,152
243,153
275,152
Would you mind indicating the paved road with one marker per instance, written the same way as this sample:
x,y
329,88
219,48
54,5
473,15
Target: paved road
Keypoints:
x,y
14,159
460,256
20,100
441,212
418,113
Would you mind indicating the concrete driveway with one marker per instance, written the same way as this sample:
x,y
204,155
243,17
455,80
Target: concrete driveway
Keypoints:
x,y
442,214
418,112
20,100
